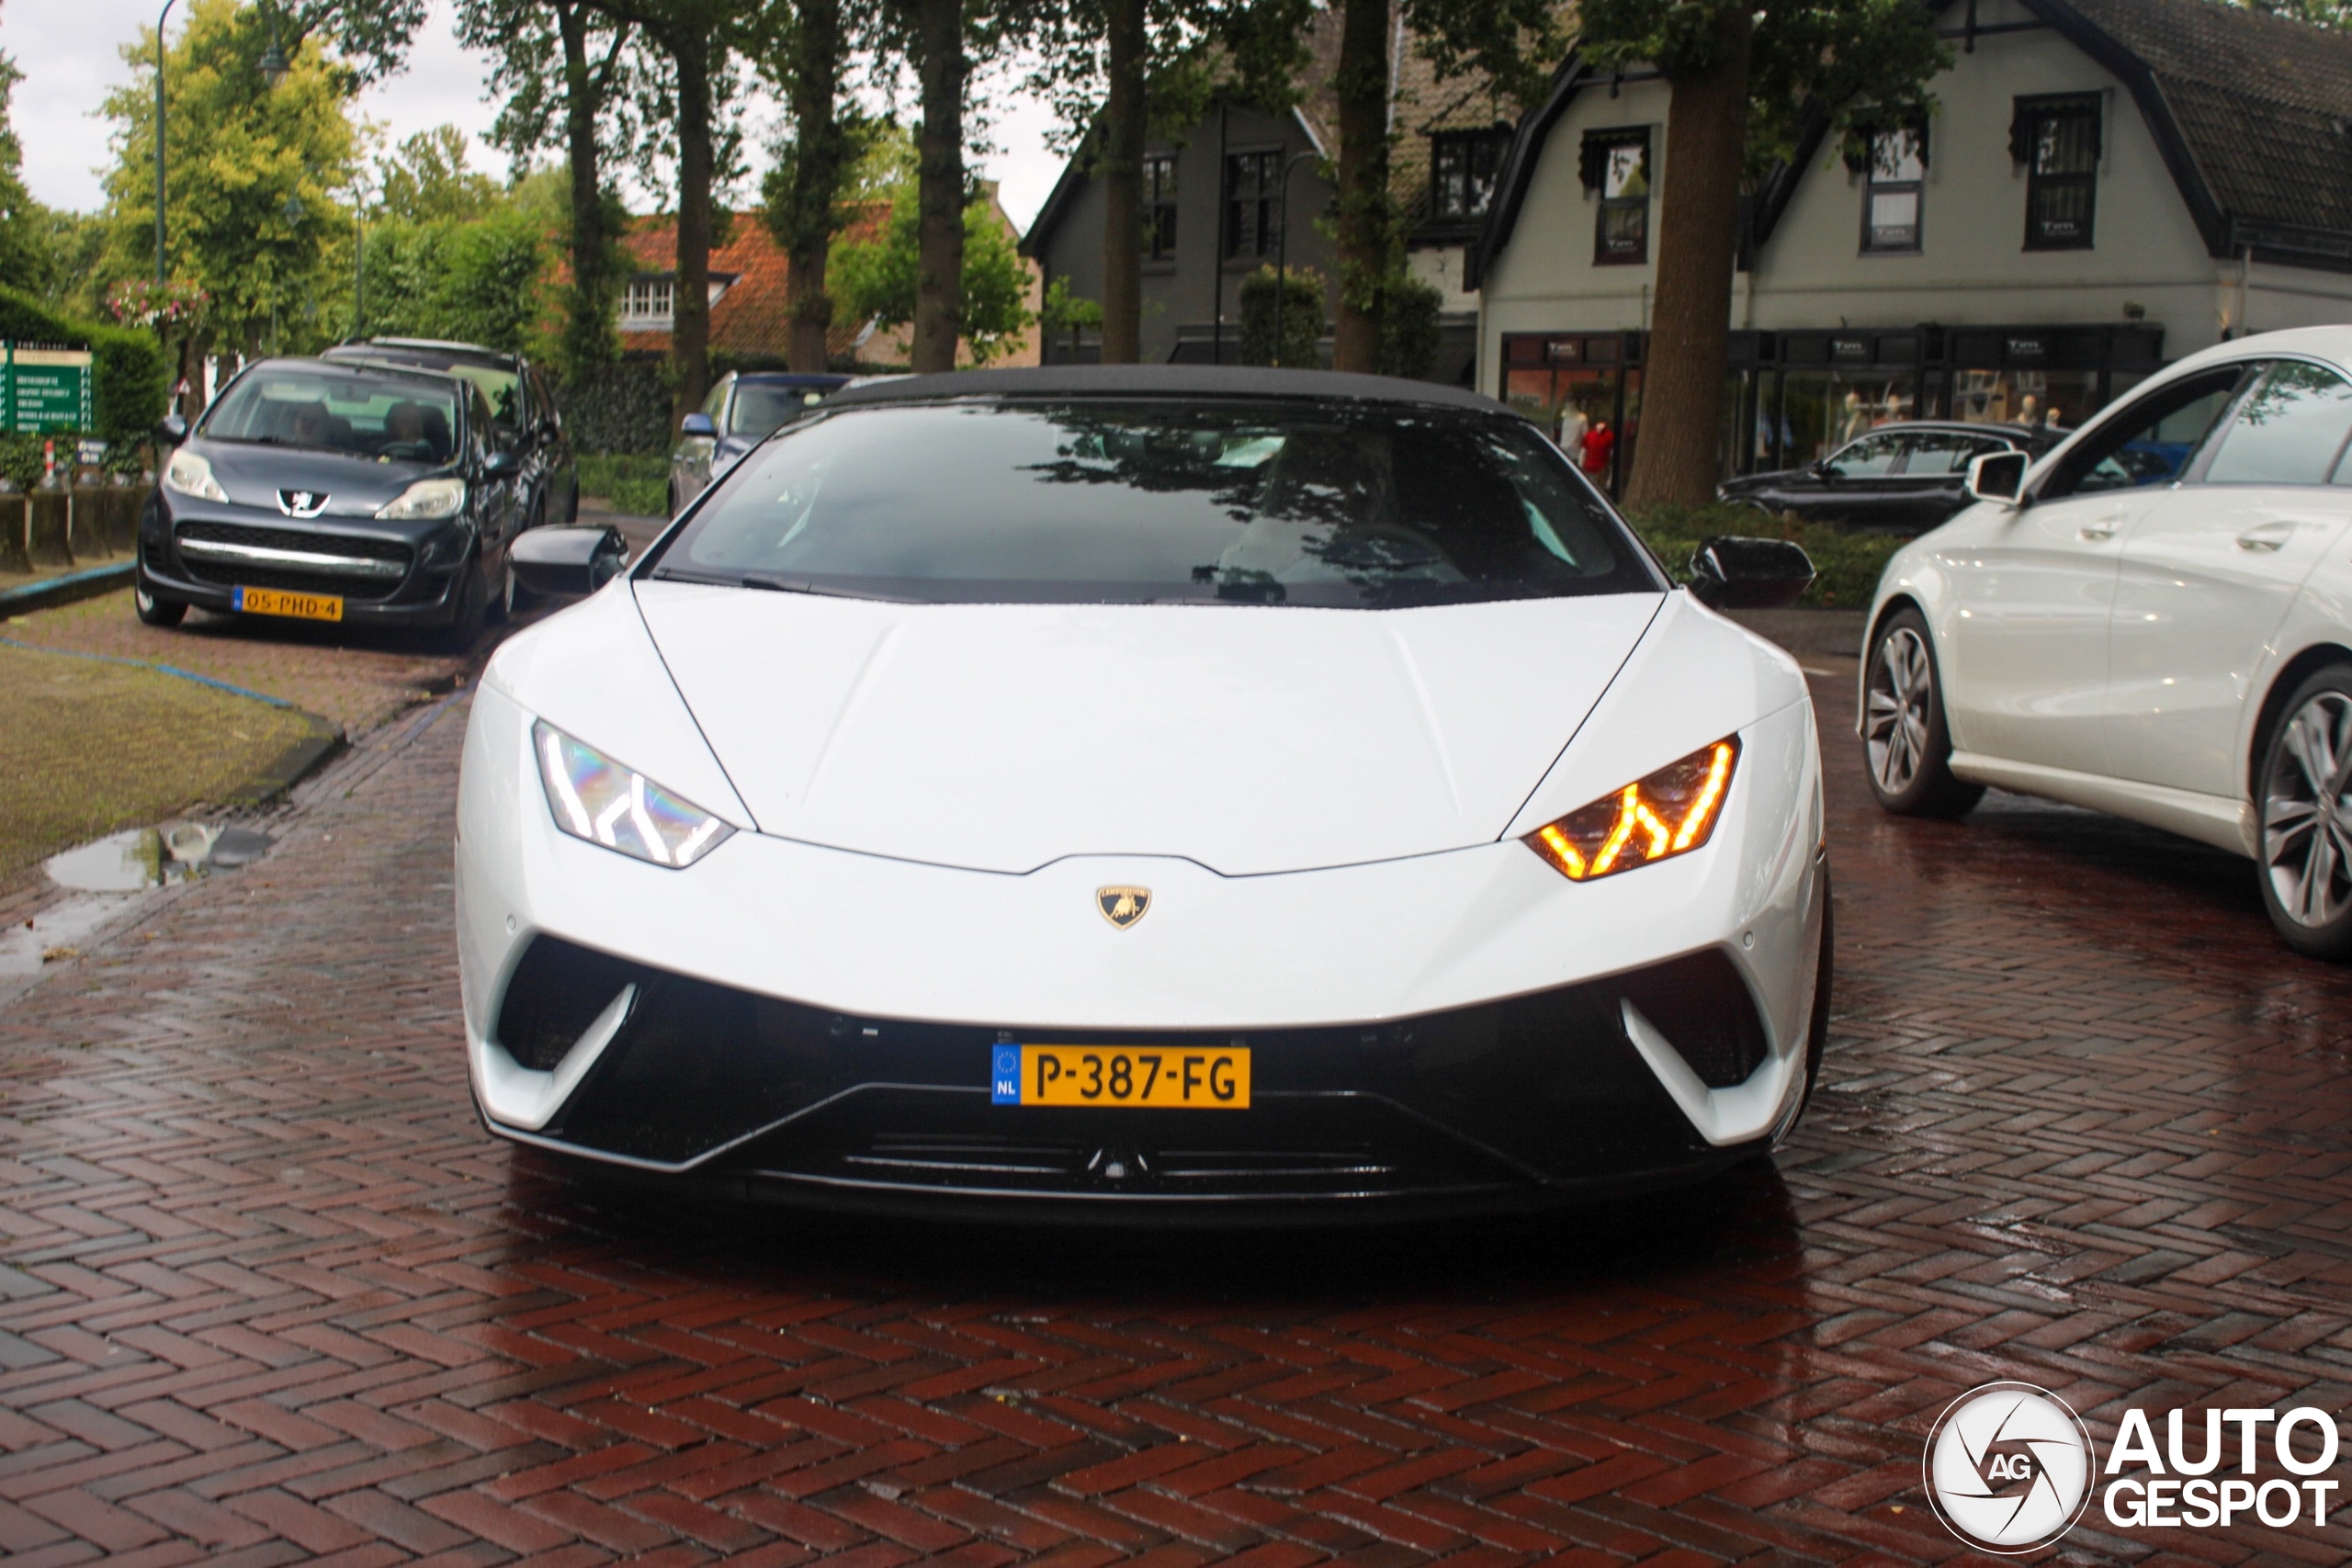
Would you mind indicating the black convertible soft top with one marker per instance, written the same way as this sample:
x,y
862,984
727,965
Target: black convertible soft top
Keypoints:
x,y
1160,380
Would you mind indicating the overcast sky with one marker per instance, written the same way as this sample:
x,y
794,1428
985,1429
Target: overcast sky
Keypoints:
x,y
70,54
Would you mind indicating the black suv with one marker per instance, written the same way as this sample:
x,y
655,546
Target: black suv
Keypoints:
x,y
522,410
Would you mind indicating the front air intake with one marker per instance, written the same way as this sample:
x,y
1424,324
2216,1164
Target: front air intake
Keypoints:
x,y
1702,1006
558,991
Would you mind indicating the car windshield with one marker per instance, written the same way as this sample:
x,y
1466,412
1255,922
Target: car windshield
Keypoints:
x,y
1115,500
391,419
760,407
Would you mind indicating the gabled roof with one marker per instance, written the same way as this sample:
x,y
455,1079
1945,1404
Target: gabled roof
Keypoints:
x,y
2249,110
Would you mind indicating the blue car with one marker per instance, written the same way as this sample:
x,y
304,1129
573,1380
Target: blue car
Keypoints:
x,y
741,412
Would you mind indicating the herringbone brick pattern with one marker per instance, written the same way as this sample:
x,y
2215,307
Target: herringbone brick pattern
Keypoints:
x,y
269,1293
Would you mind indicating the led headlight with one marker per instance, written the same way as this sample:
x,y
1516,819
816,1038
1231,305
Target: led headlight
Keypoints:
x,y
191,475
426,499
1671,812
596,798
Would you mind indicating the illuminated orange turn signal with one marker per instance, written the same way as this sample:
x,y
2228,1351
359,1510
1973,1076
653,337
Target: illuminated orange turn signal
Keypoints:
x,y
1672,811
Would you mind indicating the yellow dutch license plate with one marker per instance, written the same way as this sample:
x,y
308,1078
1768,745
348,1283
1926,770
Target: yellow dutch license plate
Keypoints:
x,y
302,606
1172,1077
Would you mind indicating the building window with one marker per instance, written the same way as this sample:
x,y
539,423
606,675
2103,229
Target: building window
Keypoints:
x,y
1253,224
647,301
1616,166
1159,205
1462,166
2057,139
1890,189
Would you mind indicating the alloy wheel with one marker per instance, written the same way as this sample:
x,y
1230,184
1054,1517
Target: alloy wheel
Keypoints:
x,y
1896,710
2306,824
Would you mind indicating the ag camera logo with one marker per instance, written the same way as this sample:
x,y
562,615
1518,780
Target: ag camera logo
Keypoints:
x,y
2010,1468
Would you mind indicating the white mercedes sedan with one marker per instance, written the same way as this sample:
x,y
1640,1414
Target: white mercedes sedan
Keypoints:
x,y
2154,620
1131,789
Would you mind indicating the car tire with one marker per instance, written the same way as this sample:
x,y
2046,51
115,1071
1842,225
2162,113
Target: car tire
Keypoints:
x,y
472,611
1907,748
154,612
2304,860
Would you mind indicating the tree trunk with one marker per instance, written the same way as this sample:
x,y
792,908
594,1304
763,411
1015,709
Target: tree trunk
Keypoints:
x,y
1675,458
690,301
816,179
588,337
939,271
1123,122
1363,242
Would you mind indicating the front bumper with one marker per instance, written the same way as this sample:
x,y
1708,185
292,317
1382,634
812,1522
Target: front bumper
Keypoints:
x,y
1467,1028
201,553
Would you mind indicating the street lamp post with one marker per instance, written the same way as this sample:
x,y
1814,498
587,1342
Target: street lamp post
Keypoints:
x,y
1282,257
160,20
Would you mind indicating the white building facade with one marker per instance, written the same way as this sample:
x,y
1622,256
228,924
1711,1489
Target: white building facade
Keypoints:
x,y
2100,186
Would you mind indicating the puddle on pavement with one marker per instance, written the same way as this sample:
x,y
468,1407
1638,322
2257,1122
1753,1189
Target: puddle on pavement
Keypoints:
x,y
109,872
155,857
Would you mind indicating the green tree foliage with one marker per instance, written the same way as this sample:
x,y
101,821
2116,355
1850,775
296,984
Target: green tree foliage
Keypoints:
x,y
251,178
426,180
876,279
476,280
1409,332
25,256
1282,318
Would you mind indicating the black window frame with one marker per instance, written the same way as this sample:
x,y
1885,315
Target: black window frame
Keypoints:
x,y
2030,126
1160,207
1597,145
1252,217
1470,161
1874,188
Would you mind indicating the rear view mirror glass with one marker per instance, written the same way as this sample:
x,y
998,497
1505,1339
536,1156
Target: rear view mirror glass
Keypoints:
x,y
1732,574
1997,476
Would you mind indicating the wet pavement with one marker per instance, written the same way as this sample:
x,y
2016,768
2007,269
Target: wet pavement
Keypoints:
x,y
267,1291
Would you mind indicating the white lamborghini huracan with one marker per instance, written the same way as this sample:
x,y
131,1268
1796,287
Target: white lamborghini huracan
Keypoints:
x,y
1146,786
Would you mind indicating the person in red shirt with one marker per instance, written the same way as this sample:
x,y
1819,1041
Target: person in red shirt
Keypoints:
x,y
1599,442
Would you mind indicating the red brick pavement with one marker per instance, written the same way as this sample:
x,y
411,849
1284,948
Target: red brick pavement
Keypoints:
x,y
267,1293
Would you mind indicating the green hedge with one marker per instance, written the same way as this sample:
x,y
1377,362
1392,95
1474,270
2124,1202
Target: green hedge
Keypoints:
x,y
639,486
130,388
623,406
1846,562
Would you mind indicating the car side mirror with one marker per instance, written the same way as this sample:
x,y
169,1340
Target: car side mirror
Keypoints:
x,y
1823,469
567,562
501,463
1997,477
1748,574
698,423
171,430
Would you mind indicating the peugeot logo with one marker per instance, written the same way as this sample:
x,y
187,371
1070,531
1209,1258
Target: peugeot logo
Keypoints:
x,y
301,503
1122,907
2009,1468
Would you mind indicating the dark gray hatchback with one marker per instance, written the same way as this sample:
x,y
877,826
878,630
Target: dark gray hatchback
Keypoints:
x,y
321,491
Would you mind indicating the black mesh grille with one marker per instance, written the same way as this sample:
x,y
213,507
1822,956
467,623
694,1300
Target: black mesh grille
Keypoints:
x,y
297,540
231,574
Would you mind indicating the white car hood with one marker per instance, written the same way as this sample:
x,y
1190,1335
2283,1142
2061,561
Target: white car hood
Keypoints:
x,y
1248,738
